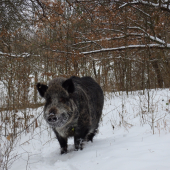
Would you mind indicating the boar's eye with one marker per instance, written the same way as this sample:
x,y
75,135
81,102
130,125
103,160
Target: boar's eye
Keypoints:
x,y
62,100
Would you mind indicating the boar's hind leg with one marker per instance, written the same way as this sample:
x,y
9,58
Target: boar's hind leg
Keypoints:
x,y
62,142
91,135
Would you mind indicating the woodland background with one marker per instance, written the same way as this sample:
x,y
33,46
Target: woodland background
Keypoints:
x,y
123,45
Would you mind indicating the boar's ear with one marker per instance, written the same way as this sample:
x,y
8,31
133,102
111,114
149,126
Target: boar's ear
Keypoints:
x,y
68,85
41,89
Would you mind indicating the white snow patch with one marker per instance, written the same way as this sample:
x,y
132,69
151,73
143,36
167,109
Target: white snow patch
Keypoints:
x,y
131,145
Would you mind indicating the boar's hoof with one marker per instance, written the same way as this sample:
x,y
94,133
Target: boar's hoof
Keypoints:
x,y
63,150
79,147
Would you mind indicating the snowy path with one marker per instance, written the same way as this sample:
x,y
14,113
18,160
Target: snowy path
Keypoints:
x,y
124,148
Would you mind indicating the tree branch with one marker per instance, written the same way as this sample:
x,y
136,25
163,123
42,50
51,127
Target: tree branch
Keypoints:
x,y
156,46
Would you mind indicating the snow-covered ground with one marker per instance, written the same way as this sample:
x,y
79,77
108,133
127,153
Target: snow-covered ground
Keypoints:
x,y
125,140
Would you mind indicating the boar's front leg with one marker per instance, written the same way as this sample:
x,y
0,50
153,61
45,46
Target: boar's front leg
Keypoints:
x,y
62,142
79,138
78,142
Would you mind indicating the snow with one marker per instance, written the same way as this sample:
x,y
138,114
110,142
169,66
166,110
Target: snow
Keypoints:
x,y
131,144
129,47
162,4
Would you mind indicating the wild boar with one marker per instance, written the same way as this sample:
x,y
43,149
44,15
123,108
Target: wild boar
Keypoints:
x,y
73,108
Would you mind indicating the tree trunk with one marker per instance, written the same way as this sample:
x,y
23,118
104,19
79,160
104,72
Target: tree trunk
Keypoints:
x,y
158,74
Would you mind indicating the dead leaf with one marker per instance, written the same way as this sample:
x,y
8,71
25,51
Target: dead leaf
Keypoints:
x,y
8,137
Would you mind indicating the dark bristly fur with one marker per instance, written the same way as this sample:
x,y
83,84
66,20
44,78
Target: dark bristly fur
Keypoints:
x,y
73,109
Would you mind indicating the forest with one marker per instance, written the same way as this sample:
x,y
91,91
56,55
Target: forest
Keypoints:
x,y
123,45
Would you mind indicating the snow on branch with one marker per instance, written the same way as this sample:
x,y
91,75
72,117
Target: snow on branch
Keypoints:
x,y
157,46
162,5
23,55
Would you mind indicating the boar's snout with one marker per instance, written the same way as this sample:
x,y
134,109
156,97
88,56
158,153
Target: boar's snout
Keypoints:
x,y
52,115
52,118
